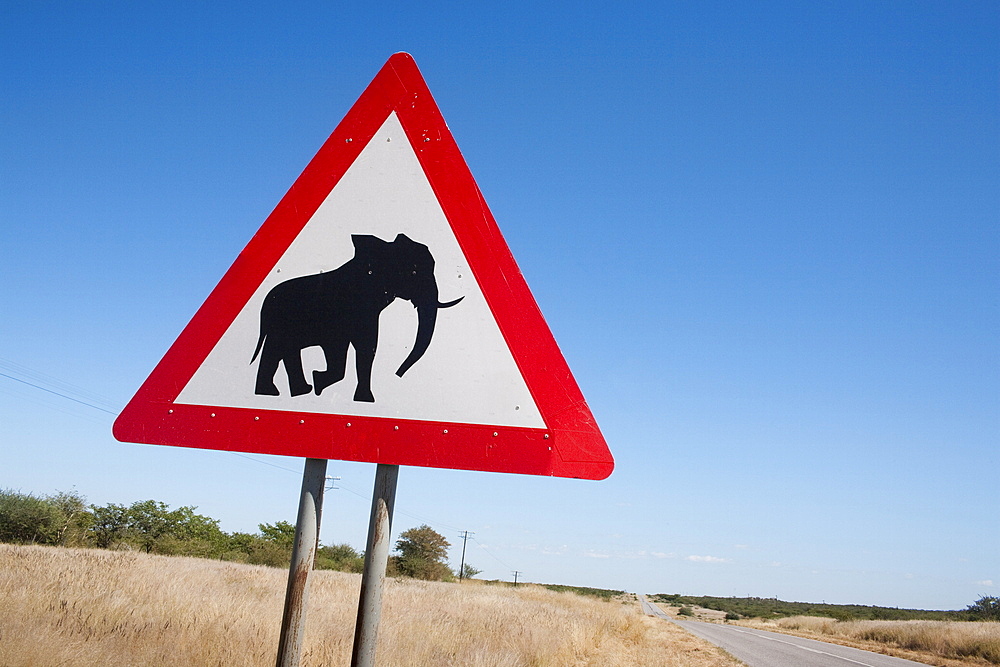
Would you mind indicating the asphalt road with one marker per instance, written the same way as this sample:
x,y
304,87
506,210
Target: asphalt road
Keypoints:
x,y
759,648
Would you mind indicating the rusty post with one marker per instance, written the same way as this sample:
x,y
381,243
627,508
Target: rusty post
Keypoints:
x,y
376,558
293,621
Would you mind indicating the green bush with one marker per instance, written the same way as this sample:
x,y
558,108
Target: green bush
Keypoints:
x,y
28,519
986,608
342,557
685,611
65,519
61,519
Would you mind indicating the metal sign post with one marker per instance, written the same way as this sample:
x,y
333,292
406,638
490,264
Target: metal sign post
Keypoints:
x,y
293,621
376,558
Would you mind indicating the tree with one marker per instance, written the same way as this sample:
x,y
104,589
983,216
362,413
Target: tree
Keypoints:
x,y
76,518
422,554
148,522
341,557
191,534
986,608
110,525
468,571
153,527
281,533
28,519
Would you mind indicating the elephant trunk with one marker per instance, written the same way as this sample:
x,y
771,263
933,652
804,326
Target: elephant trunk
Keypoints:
x,y
426,319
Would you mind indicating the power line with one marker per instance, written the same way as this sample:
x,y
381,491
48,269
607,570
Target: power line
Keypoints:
x,y
53,385
53,391
491,555
273,465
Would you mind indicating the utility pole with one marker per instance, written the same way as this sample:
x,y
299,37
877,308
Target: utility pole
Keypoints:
x,y
465,538
516,572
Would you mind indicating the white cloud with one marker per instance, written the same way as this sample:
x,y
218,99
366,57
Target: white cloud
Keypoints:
x,y
596,554
986,582
706,559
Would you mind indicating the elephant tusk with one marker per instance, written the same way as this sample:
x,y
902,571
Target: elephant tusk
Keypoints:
x,y
450,303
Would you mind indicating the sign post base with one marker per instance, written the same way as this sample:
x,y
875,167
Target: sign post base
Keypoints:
x,y
376,558
293,621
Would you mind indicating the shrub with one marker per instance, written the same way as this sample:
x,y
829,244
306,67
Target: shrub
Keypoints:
x,y
986,608
341,557
28,519
685,611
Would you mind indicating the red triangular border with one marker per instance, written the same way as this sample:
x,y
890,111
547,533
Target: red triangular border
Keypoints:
x,y
570,446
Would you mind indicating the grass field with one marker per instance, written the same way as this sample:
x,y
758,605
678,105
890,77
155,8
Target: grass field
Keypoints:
x,y
74,607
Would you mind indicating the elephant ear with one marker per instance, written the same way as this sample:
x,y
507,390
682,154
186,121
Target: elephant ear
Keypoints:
x,y
366,245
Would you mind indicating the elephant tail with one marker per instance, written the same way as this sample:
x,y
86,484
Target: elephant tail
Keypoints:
x,y
260,344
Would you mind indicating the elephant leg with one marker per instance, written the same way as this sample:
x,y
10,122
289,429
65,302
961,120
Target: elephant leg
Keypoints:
x,y
364,357
265,372
336,366
297,384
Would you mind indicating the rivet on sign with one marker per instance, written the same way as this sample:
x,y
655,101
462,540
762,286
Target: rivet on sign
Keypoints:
x,y
426,139
546,436
213,414
256,419
445,431
302,421
349,140
517,407
170,412
395,428
495,434
348,424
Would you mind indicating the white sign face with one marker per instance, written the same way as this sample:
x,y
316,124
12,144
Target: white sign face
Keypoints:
x,y
467,374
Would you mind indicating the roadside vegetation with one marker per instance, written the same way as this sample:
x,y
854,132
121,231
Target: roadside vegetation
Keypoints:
x,y
968,641
81,607
985,609
65,519
601,593
971,638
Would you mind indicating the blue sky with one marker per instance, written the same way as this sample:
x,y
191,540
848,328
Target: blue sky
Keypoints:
x,y
766,238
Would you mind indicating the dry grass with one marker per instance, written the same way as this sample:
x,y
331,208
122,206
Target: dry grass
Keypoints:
x,y
930,641
85,607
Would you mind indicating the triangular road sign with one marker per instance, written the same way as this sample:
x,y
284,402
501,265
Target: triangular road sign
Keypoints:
x,y
377,315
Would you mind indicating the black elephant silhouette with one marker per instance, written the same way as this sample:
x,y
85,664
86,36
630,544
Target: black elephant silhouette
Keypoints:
x,y
340,308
